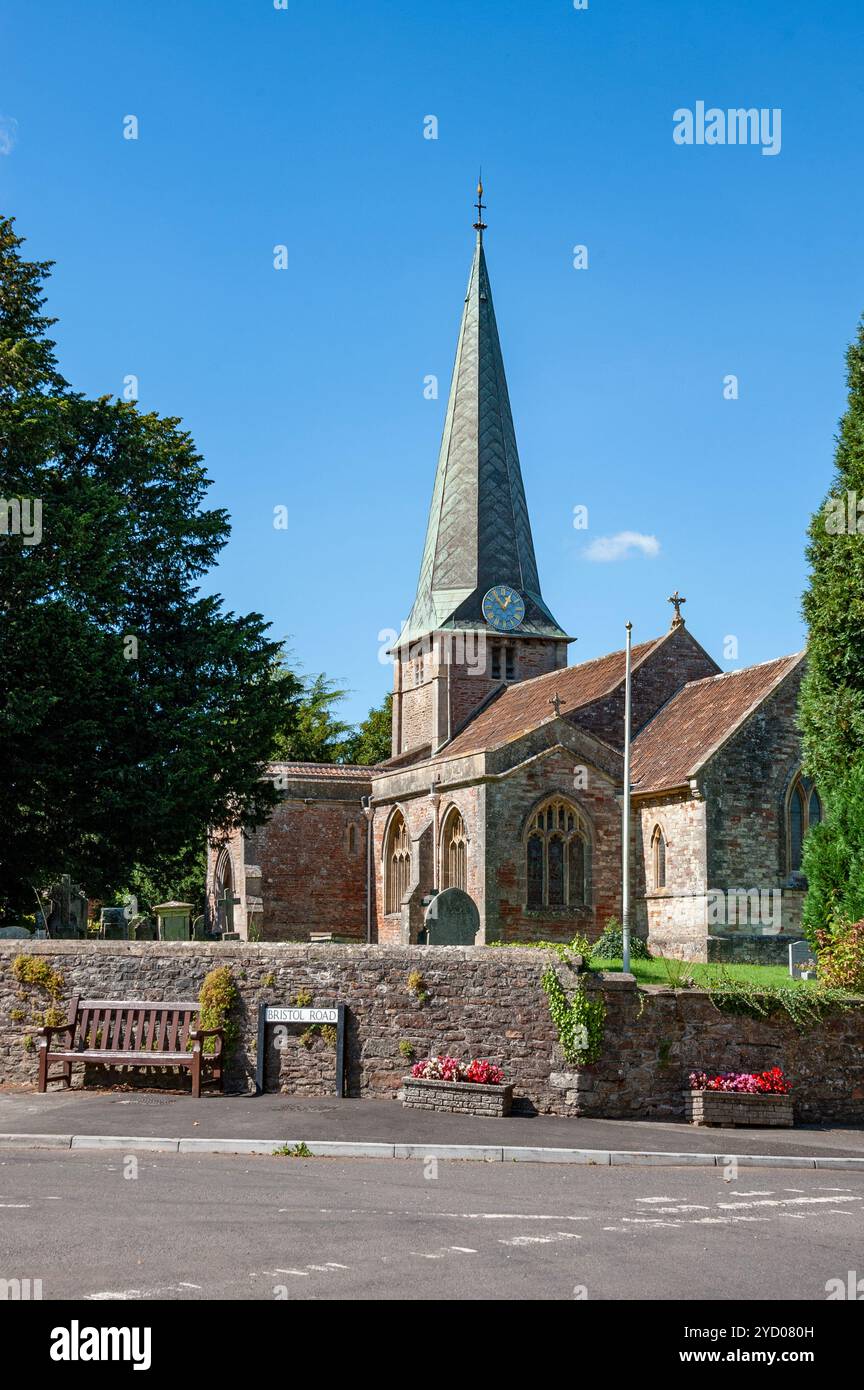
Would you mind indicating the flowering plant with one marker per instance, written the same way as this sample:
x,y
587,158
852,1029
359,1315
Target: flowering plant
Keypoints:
x,y
772,1082
451,1069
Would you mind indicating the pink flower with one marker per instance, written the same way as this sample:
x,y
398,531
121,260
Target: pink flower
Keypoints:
x,y
451,1069
770,1082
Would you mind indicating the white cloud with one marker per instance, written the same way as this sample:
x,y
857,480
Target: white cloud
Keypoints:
x,y
622,544
8,134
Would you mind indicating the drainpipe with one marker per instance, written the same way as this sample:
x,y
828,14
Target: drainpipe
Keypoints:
x,y
365,802
625,826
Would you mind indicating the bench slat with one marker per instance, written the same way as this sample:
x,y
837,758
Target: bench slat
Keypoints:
x,y
154,1059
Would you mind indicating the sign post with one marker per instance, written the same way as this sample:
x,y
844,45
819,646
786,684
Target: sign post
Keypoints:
x,y
286,1014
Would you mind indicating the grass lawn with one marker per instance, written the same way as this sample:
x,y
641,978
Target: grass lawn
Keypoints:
x,y
656,972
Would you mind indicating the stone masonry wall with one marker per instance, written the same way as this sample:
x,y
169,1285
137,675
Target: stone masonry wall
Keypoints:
x,y
656,679
481,1002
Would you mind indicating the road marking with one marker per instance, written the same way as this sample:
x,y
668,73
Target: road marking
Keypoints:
x,y
685,1206
786,1202
506,1216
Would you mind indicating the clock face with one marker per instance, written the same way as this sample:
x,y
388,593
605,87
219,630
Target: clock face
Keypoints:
x,y
503,608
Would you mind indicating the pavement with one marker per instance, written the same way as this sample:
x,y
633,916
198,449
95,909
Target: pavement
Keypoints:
x,y
113,1227
81,1119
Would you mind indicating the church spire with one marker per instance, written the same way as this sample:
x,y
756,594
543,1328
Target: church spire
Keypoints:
x,y
479,533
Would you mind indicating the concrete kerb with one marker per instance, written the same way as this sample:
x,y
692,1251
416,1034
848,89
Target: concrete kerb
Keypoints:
x,y
485,1153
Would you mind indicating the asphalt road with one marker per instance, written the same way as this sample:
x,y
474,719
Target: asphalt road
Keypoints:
x,y
175,1226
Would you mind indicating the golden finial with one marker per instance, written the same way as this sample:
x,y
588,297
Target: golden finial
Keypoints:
x,y
480,225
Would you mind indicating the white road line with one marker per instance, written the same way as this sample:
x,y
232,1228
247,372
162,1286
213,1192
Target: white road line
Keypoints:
x,y
786,1202
506,1215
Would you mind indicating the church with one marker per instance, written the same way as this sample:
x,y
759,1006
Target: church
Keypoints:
x,y
498,815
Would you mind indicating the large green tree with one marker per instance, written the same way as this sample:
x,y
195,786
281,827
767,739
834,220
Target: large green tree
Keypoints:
x,y
832,695
371,741
134,710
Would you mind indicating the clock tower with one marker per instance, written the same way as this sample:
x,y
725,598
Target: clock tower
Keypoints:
x,y
478,619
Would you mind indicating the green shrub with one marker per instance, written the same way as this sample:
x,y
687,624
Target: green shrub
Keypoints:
x,y
840,953
218,999
834,859
611,944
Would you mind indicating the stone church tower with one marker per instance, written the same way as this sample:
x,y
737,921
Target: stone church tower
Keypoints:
x,y
478,538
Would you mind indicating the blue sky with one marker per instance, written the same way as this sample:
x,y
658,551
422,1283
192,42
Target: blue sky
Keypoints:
x,y
304,387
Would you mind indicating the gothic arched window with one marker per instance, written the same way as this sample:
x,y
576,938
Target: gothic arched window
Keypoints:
x,y
397,864
803,810
558,856
658,857
454,852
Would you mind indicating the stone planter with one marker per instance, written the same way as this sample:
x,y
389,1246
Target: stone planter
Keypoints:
x,y
461,1097
731,1108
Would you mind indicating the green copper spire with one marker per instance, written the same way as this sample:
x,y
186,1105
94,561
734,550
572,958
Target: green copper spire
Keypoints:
x,y
479,533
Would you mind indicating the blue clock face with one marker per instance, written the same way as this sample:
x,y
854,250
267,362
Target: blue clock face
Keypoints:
x,y
503,608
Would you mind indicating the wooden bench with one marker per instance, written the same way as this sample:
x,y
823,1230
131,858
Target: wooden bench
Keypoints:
x,y
130,1033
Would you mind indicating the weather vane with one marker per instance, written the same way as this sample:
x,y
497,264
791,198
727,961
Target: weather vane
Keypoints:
x,y
480,225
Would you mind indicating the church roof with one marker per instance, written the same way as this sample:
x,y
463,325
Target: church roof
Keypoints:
x,y
478,533
521,707
698,720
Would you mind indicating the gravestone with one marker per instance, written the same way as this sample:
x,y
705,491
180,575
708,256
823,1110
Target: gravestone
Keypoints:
x,y
67,915
174,920
801,962
142,928
12,933
114,924
452,919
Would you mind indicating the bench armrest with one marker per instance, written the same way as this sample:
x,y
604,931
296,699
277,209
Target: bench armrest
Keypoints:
x,y
198,1036
45,1033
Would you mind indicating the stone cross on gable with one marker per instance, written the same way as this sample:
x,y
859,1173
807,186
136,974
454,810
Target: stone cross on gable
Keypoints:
x,y
676,600
557,702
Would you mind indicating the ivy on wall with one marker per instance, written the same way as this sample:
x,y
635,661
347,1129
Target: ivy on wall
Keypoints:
x,y
580,1021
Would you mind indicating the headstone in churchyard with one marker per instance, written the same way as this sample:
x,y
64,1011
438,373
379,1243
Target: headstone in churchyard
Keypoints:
x,y
67,914
199,928
174,921
801,962
225,914
13,933
142,928
113,924
452,919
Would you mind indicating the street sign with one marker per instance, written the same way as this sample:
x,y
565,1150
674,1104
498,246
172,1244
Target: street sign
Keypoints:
x,y
278,1013
286,1014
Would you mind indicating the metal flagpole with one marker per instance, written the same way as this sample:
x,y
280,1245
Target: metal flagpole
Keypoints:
x,y
625,814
